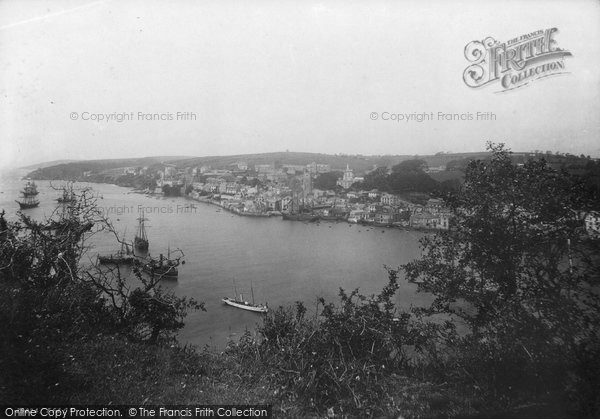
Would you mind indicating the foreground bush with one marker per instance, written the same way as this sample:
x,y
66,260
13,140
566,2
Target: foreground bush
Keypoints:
x,y
48,300
521,274
341,358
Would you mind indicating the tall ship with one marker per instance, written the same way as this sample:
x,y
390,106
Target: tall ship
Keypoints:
x,y
29,199
67,196
161,267
28,202
299,211
30,189
141,239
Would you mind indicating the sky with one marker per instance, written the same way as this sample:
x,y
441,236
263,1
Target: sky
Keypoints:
x,y
262,76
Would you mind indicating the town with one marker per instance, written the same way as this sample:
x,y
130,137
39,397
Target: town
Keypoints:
x,y
292,191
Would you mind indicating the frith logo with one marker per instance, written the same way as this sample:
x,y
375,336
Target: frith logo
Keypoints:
x,y
514,63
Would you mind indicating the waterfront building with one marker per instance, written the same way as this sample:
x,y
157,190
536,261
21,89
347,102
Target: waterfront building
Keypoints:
x,y
424,220
286,203
384,217
357,215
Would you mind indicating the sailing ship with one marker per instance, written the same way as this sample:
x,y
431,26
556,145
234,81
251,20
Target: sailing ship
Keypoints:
x,y
239,302
29,200
298,211
162,267
67,196
141,239
30,189
123,257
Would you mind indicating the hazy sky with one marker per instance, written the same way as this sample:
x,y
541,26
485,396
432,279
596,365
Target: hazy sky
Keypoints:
x,y
266,76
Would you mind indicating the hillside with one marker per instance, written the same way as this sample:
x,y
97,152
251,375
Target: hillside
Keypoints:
x,y
359,163
46,164
75,170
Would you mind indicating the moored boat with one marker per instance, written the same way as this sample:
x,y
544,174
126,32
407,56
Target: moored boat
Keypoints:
x,y
161,267
299,211
239,302
124,257
67,197
301,217
245,305
116,259
30,189
141,239
29,200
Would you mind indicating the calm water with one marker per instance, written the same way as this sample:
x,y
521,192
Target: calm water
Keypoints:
x,y
284,261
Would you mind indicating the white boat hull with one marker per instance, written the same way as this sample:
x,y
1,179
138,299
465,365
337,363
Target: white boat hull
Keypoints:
x,y
245,305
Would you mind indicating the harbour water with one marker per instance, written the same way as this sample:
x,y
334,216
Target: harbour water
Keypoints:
x,y
283,261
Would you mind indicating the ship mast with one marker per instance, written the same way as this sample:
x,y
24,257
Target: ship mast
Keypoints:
x,y
142,229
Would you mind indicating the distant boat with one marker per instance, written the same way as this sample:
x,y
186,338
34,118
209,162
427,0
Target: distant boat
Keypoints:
x,y
29,200
162,267
67,196
116,259
298,211
30,189
141,239
301,217
124,257
239,302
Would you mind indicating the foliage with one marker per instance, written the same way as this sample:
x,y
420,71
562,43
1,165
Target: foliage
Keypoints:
x,y
48,298
377,179
338,358
327,181
410,176
521,273
406,177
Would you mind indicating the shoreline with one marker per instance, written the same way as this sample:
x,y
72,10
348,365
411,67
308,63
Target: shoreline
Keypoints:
x,y
336,221
137,190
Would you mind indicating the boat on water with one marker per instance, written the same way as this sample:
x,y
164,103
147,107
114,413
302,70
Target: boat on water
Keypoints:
x,y
239,302
141,239
301,217
299,211
67,196
29,199
124,257
30,189
116,259
28,202
162,267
